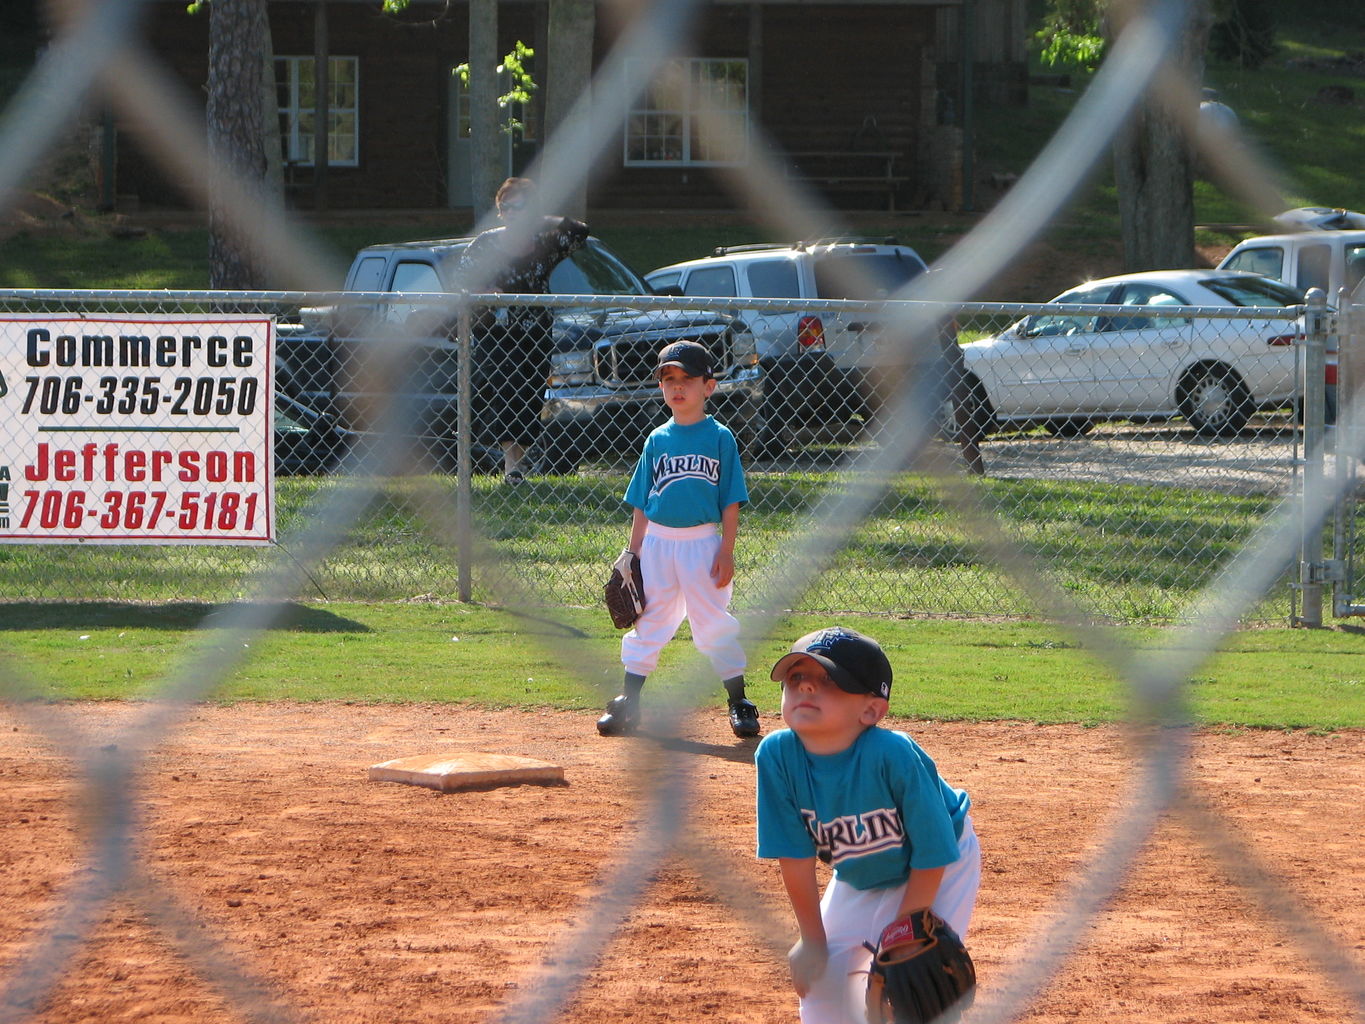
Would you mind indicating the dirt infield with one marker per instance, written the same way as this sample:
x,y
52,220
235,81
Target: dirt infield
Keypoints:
x,y
360,901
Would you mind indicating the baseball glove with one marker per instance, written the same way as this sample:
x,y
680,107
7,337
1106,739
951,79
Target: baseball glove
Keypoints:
x,y
625,590
920,968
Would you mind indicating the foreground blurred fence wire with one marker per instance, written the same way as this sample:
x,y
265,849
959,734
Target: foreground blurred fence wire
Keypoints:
x,y
1206,491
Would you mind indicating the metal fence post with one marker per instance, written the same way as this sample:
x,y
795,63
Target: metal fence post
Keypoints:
x,y
1311,565
464,494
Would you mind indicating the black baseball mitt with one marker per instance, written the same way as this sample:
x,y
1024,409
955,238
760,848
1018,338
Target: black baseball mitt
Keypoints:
x,y
625,590
920,969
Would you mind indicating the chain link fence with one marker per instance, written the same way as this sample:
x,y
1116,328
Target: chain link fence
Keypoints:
x,y
1098,502
1130,456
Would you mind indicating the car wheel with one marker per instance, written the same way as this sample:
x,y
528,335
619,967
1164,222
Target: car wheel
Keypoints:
x,y
444,456
772,430
866,403
1069,426
1214,400
807,391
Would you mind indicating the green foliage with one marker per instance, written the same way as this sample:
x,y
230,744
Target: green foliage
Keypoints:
x,y
1315,159
1070,36
520,83
1066,49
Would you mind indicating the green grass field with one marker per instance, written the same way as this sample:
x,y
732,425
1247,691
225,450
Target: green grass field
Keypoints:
x,y
1122,552
945,669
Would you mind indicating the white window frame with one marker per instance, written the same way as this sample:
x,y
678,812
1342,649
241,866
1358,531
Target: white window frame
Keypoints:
x,y
676,145
343,111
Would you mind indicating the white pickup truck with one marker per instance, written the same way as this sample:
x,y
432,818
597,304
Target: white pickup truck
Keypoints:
x,y
1330,260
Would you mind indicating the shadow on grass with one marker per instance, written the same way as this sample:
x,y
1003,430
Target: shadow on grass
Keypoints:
x,y
32,615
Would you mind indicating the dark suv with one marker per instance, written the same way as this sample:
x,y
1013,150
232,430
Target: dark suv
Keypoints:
x,y
601,397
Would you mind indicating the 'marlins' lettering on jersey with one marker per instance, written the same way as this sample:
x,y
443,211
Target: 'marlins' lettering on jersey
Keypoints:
x,y
672,468
855,835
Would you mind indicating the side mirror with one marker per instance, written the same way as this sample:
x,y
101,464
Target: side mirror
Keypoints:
x,y
668,289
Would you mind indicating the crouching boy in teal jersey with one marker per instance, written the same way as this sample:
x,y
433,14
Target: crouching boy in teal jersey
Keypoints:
x,y
865,800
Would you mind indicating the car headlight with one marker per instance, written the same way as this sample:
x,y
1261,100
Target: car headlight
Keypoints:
x,y
571,368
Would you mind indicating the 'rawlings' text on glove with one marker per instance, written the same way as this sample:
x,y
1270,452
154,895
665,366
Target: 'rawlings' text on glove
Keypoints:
x,y
920,969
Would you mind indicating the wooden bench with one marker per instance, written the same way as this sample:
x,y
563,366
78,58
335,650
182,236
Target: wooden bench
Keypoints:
x,y
849,171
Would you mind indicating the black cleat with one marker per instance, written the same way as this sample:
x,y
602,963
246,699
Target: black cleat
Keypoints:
x,y
744,718
621,719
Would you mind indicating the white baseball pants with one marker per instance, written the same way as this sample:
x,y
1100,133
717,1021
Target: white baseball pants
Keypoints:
x,y
676,565
854,916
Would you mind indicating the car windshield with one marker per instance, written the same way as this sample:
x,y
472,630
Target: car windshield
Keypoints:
x,y
594,270
1355,266
864,276
369,275
1267,260
1253,291
1047,325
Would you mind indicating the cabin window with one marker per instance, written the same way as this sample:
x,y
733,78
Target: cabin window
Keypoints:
x,y
695,112
297,107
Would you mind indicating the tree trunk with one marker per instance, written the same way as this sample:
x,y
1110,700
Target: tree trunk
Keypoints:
x,y
487,144
239,41
322,111
1153,162
568,75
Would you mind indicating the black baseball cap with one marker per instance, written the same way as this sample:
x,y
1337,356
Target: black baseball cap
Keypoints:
x,y
689,356
855,662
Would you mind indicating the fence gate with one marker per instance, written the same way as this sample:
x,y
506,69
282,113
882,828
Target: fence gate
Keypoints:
x,y
1346,566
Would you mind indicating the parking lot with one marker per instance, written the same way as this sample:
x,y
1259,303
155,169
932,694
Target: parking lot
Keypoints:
x,y
1262,459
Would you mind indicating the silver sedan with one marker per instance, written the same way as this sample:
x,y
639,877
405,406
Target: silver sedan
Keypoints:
x,y
1066,371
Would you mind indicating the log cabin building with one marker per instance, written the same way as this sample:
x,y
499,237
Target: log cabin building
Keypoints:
x,y
868,100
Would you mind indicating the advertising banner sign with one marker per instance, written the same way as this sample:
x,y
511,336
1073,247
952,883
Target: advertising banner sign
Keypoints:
x,y
136,430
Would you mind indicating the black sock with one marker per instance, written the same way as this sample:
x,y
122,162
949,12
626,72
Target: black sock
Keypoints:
x,y
633,685
734,688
